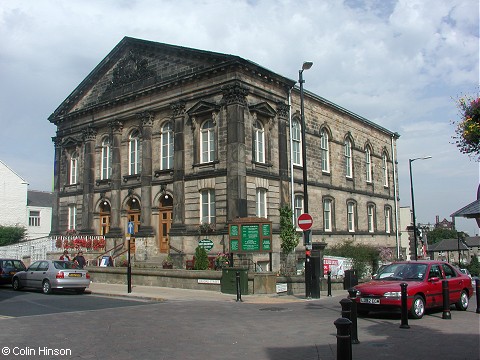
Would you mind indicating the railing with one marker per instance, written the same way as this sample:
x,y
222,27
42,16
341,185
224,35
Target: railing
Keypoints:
x,y
111,252
178,251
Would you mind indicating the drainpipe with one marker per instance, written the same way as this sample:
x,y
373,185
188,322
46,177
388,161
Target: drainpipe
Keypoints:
x,y
395,190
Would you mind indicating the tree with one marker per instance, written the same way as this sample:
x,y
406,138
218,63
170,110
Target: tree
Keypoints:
x,y
201,259
11,234
467,131
474,266
438,234
288,233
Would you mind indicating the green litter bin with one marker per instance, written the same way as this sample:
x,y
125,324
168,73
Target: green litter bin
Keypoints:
x,y
228,283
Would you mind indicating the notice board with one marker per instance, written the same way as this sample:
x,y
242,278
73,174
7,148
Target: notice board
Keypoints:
x,y
250,235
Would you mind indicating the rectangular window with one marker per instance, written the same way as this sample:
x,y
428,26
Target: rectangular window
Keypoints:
x,y
327,215
207,206
351,217
34,218
371,218
73,170
261,203
72,216
296,143
298,207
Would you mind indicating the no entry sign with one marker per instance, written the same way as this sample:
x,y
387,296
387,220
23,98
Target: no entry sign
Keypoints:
x,y
305,222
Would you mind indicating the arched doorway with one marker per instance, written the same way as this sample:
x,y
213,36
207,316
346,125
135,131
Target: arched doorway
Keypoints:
x,y
104,217
133,215
165,221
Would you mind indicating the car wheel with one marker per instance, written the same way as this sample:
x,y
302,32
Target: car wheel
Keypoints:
x,y
16,284
80,291
46,287
462,303
418,307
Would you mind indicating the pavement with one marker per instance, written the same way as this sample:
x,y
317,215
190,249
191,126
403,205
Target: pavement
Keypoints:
x,y
156,293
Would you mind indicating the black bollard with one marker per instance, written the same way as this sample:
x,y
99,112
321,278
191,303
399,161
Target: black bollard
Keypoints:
x,y
346,308
239,290
329,283
353,315
446,301
404,324
344,342
477,293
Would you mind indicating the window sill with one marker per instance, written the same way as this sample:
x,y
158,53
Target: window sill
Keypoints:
x,y
136,177
206,165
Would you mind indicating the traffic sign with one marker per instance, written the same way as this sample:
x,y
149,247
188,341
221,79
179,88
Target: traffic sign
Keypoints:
x,y
130,227
305,221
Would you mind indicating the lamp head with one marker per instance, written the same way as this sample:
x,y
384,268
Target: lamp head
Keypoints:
x,y
307,65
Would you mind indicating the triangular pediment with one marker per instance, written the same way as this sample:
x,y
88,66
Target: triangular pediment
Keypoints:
x,y
202,107
135,66
263,109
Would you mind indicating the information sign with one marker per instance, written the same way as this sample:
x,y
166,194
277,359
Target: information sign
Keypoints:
x,y
207,244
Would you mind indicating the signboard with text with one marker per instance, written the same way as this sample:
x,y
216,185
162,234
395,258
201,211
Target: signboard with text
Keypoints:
x,y
250,235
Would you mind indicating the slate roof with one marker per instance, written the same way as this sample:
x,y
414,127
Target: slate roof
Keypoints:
x,y
39,198
447,245
472,210
472,241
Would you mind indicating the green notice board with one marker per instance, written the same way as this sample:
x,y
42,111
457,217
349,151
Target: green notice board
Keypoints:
x,y
250,236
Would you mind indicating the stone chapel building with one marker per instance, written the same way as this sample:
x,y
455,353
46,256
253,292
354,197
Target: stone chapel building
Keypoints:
x,y
181,142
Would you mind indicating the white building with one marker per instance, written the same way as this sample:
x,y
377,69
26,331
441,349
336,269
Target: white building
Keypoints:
x,y
39,211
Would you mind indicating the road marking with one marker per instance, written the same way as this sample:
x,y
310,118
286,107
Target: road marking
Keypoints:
x,y
5,317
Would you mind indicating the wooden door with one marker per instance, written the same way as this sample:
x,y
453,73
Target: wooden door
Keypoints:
x,y
164,228
134,216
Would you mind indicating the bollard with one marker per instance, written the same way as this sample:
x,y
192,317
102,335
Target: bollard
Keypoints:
x,y
353,315
344,342
477,293
446,301
329,283
404,323
346,308
239,290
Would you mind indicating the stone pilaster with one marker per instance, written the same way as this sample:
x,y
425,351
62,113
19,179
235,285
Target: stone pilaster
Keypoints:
x,y
178,116
116,230
89,135
283,163
235,102
55,230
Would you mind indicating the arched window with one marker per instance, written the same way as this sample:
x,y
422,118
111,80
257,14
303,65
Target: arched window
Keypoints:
x,y
368,165
351,207
324,151
207,142
348,159
105,211
207,206
106,159
298,205
134,152
166,146
371,217
259,142
74,168
327,215
385,169
297,143
261,202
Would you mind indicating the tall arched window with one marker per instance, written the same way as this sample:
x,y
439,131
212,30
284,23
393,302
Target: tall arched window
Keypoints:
x,y
325,151
388,219
207,142
259,142
166,146
368,165
351,216
134,153
106,159
297,143
348,159
371,217
385,169
105,211
74,168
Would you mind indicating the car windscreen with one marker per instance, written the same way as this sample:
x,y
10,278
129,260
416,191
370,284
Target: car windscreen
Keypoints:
x,y
63,265
407,272
18,265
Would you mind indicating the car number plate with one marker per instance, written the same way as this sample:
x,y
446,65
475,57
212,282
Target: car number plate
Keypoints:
x,y
75,275
369,301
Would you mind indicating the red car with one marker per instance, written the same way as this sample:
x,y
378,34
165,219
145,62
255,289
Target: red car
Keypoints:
x,y
424,288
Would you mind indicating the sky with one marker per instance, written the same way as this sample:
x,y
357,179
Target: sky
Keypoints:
x,y
402,64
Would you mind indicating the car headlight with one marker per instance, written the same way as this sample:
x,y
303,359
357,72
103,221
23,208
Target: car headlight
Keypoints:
x,y
392,294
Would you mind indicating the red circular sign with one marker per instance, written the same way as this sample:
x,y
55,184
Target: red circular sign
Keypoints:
x,y
305,222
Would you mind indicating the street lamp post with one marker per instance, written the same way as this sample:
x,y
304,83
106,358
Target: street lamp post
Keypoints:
x,y
413,203
306,234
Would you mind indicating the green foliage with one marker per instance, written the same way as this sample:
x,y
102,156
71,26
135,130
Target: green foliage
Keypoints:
x,y
467,132
474,266
201,259
362,256
438,234
11,234
288,233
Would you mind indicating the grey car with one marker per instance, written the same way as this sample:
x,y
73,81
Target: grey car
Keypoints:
x,y
52,274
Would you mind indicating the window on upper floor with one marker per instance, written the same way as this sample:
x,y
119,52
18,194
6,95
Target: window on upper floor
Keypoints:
x,y
106,160
351,209
385,169
258,142
348,158
371,217
296,142
72,217
261,200
34,218
166,146
298,207
325,151
327,214
388,220
74,168
368,164
207,142
207,206
134,160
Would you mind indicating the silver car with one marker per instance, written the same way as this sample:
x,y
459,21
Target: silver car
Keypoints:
x,y
52,274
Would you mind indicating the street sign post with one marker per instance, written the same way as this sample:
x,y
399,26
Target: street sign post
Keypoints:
x,y
305,222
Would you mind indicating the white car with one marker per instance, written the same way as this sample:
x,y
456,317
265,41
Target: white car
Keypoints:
x,y
466,272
